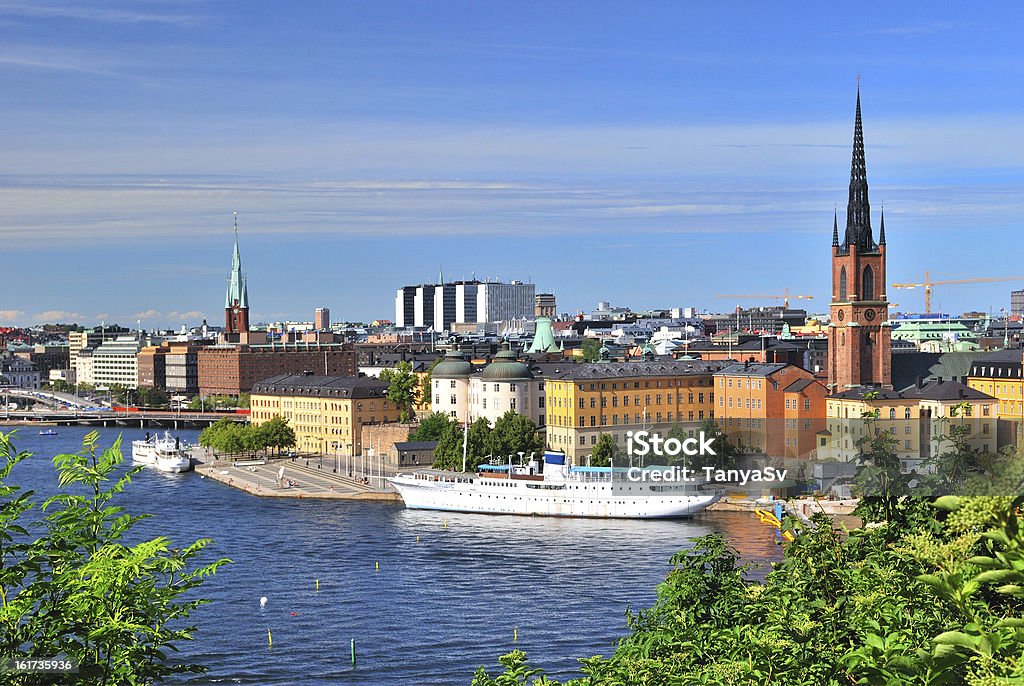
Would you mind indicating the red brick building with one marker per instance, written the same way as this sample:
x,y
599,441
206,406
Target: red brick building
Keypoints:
x,y
234,369
859,343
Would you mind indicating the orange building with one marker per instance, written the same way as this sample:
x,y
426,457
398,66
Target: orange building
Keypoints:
x,y
773,408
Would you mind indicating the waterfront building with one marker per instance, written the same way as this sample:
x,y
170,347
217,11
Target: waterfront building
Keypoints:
x,y
775,408
116,362
153,366
228,369
90,338
406,454
17,372
327,413
585,400
919,418
84,367
45,358
181,367
859,334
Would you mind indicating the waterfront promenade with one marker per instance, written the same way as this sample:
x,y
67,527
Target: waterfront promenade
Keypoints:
x,y
300,480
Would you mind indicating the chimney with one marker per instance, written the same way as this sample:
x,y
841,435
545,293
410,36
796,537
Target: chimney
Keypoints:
x,y
920,382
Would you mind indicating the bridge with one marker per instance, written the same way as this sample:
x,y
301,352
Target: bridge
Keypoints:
x,y
140,418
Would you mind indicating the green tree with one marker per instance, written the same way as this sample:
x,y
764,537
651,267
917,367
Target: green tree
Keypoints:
x,y
431,427
512,433
476,443
448,453
604,452
119,393
591,349
225,436
277,434
72,586
881,483
403,387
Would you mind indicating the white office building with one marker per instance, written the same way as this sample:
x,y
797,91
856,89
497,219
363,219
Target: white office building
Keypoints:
x,y
438,306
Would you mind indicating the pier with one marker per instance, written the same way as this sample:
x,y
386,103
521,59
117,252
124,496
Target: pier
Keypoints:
x,y
259,476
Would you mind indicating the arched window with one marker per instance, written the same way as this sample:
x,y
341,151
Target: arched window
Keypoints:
x,y
842,285
892,413
867,290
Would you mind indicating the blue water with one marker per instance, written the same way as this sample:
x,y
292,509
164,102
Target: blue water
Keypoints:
x,y
435,611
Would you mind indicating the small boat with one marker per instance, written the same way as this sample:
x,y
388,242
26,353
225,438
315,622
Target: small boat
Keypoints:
x,y
47,432
168,455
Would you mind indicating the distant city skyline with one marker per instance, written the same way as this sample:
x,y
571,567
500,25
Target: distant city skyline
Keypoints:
x,y
650,159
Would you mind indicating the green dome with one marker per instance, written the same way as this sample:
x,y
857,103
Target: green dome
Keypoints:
x,y
453,366
505,367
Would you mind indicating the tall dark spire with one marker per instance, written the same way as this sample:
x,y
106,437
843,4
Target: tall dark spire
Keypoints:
x,y
835,228
858,210
881,231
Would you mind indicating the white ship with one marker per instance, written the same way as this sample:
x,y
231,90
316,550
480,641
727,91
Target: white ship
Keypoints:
x,y
164,453
559,491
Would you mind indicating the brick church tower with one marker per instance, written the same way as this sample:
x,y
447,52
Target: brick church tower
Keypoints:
x,y
236,302
859,338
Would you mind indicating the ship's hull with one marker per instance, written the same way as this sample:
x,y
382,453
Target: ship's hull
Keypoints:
x,y
498,496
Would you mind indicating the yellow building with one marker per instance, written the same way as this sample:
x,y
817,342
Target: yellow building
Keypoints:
x,y
327,413
998,374
919,417
584,401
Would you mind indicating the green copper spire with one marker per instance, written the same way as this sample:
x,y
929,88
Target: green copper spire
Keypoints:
x,y
237,293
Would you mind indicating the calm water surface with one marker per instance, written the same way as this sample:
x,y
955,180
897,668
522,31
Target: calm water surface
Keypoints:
x,y
437,608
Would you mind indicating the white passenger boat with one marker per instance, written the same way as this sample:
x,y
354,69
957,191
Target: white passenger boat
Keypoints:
x,y
164,453
169,456
142,451
559,490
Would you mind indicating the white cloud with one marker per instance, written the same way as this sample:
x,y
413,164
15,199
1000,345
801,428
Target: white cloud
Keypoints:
x,y
10,315
92,12
56,316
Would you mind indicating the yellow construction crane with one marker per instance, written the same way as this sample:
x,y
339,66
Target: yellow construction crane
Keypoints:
x,y
762,296
928,283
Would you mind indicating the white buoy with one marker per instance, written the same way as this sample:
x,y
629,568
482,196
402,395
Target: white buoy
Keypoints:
x,y
263,602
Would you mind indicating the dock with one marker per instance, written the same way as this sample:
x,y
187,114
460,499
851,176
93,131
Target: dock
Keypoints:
x,y
259,477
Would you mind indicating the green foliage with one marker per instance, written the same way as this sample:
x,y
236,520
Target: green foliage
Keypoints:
x,y
591,348
431,427
605,452
403,387
231,437
77,590
213,402
512,433
929,593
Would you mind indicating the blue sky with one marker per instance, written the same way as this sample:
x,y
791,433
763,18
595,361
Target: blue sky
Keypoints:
x,y
651,154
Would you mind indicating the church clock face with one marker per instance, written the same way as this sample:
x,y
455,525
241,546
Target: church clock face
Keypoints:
x,y
869,315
